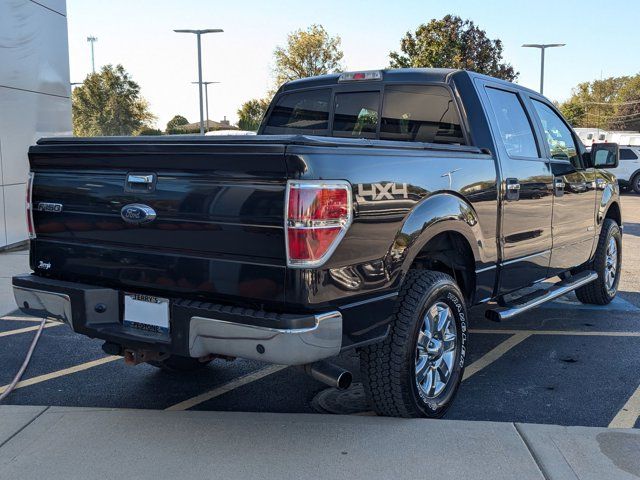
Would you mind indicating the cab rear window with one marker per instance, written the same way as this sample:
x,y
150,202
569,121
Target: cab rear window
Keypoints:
x,y
420,114
407,113
300,112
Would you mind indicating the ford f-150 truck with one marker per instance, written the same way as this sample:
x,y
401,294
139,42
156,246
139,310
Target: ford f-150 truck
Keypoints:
x,y
370,212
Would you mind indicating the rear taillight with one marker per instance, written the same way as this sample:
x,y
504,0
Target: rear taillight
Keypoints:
x,y
317,216
30,227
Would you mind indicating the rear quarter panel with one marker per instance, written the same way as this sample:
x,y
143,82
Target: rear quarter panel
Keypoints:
x,y
401,199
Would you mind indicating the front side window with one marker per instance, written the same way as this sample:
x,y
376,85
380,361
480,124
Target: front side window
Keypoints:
x,y
305,112
627,154
356,114
420,114
513,124
557,134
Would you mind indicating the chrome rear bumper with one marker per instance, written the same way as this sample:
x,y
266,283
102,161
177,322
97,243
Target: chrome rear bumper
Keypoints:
x,y
44,304
282,346
196,330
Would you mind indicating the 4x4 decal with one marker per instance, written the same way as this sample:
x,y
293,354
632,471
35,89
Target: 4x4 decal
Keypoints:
x,y
382,191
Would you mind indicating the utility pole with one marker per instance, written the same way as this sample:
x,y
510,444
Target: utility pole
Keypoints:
x,y
542,47
198,34
206,99
92,40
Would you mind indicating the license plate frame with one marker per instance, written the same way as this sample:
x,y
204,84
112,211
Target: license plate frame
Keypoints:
x,y
147,313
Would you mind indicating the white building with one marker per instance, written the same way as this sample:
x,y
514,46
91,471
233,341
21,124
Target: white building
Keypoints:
x,y
34,97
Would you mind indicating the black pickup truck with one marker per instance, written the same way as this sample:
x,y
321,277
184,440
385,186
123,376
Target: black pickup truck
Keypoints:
x,y
370,211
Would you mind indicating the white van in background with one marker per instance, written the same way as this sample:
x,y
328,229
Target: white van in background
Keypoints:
x,y
588,136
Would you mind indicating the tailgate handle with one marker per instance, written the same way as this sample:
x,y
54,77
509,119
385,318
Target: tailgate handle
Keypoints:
x,y
131,178
140,182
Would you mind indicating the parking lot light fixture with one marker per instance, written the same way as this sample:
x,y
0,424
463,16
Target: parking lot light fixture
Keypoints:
x,y
542,47
198,34
206,98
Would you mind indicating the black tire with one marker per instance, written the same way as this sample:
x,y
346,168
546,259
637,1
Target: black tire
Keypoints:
x,y
635,183
598,292
178,364
389,368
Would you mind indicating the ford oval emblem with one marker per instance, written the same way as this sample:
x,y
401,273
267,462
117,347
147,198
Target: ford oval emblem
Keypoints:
x,y
138,213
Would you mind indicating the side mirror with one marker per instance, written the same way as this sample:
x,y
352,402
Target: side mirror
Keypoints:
x,y
605,155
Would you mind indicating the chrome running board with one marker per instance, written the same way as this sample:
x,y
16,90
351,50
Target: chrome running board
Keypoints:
x,y
535,299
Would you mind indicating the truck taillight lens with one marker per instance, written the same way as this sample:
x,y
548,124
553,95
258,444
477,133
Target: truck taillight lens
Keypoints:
x,y
31,229
317,216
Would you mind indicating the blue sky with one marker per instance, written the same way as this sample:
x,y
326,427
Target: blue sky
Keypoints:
x,y
602,38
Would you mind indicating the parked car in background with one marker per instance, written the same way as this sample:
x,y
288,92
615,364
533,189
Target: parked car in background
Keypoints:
x,y
628,170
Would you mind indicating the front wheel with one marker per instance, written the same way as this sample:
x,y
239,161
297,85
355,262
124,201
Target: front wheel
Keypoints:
x,y
417,369
606,263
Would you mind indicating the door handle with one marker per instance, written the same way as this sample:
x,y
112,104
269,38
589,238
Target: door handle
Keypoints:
x,y
513,189
558,187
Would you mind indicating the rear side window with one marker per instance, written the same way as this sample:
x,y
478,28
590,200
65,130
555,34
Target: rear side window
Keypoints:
x,y
356,114
301,112
420,114
513,124
627,154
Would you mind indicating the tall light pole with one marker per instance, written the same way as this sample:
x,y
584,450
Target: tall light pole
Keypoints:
x,y
206,98
542,47
92,40
198,34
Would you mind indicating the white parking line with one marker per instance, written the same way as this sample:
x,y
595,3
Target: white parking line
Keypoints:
x,y
494,354
558,332
62,373
628,415
227,387
21,319
27,329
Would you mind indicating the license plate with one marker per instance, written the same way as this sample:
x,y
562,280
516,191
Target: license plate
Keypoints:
x,y
145,312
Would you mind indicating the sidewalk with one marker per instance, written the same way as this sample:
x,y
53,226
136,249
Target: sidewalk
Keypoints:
x,y
13,262
68,443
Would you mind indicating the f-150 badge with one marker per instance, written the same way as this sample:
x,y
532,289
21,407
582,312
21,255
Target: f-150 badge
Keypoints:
x,y
382,191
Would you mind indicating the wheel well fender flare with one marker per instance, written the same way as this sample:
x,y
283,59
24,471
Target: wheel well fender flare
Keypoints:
x,y
436,214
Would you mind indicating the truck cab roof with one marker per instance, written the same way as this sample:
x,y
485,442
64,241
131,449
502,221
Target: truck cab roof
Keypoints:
x,y
399,75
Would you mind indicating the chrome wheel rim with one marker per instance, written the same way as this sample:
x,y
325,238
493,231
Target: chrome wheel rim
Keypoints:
x,y
435,350
611,266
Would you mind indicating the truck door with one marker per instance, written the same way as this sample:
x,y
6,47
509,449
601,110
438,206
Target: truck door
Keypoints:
x,y
526,190
574,191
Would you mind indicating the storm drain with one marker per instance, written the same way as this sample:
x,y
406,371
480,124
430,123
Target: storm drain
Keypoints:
x,y
342,402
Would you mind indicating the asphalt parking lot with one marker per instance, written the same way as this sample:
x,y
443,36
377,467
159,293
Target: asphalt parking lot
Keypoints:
x,y
565,364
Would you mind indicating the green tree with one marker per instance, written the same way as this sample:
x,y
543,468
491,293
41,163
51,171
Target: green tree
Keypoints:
x,y
176,122
610,103
150,131
109,103
452,43
250,114
628,106
308,53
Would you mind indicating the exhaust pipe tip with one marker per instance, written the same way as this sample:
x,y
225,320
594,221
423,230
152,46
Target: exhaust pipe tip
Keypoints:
x,y
344,380
329,374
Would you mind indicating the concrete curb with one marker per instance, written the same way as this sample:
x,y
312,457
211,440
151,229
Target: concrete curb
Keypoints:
x,y
63,443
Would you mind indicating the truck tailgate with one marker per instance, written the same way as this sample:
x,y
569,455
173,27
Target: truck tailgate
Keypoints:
x,y
218,231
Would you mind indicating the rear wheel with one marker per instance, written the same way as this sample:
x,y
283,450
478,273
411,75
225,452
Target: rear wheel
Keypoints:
x,y
635,183
416,371
178,364
606,263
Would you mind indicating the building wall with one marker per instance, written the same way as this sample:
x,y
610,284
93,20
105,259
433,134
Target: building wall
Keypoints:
x,y
34,97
